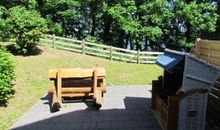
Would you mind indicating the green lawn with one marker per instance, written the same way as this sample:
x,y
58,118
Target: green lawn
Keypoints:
x,y
32,81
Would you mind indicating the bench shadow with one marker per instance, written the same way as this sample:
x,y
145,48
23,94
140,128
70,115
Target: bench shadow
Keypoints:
x,y
136,115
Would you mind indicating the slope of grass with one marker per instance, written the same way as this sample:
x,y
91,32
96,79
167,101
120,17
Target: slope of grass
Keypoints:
x,y
32,81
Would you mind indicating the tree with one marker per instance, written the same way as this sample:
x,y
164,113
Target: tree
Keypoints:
x,y
133,24
26,27
192,18
62,13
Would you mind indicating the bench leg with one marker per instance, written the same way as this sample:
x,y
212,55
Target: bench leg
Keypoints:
x,y
55,103
55,106
98,101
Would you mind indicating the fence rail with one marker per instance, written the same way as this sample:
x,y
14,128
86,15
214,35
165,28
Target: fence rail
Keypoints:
x,y
110,52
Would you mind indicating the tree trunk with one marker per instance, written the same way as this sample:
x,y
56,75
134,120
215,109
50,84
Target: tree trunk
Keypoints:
x,y
121,38
107,26
93,5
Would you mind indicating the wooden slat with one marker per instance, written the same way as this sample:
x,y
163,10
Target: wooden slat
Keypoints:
x,y
46,40
214,98
76,72
97,54
215,54
76,90
123,59
152,53
96,49
69,49
211,60
217,85
149,57
68,39
125,50
50,36
69,44
124,54
98,45
215,92
148,62
76,94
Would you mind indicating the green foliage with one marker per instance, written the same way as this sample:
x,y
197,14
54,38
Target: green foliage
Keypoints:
x,y
55,28
91,39
201,16
4,34
27,27
7,75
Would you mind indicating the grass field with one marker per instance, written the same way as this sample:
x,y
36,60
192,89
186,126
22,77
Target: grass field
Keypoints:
x,y
32,81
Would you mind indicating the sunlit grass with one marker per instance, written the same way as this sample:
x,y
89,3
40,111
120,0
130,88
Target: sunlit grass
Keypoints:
x,y
32,81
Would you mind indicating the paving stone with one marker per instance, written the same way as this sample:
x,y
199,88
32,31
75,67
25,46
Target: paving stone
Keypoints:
x,y
124,108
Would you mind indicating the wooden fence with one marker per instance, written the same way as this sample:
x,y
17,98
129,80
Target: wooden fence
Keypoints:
x,y
209,50
109,52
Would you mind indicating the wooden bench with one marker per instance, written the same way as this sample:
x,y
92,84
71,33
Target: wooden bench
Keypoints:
x,y
77,82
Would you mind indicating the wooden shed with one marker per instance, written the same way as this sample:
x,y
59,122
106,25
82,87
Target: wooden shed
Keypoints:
x,y
179,97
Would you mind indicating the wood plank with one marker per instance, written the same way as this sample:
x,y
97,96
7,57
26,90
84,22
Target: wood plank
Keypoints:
x,y
208,52
97,54
124,54
210,43
217,85
95,84
68,39
98,50
125,50
214,103
69,49
98,45
164,116
151,53
76,89
215,92
149,57
77,72
148,62
46,40
76,94
69,44
124,59
213,97
211,60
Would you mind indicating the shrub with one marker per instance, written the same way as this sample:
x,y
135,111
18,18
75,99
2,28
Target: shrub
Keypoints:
x,y
7,75
26,26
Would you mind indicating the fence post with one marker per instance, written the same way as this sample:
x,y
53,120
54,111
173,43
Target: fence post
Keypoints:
x,y
83,47
138,56
111,53
54,39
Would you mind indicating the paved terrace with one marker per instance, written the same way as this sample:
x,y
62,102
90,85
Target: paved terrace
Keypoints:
x,y
124,108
